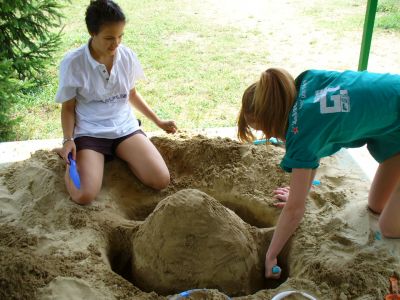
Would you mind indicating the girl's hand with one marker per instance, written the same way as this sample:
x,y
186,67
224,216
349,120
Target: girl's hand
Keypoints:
x,y
281,194
269,264
168,126
68,147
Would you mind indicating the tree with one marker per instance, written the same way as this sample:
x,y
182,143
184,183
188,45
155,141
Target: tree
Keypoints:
x,y
11,88
29,35
26,37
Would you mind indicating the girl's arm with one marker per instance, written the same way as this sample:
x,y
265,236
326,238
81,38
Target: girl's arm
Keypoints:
x,y
290,217
68,125
313,172
140,104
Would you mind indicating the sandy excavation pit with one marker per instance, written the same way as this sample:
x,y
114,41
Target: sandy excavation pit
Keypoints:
x,y
209,229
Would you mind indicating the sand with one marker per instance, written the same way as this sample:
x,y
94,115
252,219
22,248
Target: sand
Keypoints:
x,y
208,230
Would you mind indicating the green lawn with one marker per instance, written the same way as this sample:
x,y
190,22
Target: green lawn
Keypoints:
x,y
352,13
196,69
388,14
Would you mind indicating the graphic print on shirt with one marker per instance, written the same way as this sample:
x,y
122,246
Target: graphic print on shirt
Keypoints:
x,y
113,99
298,106
333,100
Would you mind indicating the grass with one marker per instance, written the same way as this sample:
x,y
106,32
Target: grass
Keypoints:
x,y
196,70
388,14
330,14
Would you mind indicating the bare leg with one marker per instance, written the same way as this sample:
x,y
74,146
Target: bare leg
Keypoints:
x,y
145,161
383,197
90,166
389,221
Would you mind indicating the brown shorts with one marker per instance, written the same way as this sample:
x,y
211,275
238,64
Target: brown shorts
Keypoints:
x,y
104,146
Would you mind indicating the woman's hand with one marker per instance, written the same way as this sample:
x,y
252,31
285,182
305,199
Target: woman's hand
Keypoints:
x,y
281,194
269,264
68,147
167,125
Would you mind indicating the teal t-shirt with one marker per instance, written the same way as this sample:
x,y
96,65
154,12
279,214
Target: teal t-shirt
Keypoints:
x,y
341,109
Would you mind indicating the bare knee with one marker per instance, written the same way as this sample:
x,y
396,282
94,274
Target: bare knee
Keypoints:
x,y
84,198
388,230
160,182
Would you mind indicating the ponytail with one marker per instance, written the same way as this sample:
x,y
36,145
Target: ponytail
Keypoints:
x,y
246,111
274,96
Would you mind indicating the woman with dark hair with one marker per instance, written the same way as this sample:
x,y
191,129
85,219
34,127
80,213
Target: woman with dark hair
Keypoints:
x,y
96,87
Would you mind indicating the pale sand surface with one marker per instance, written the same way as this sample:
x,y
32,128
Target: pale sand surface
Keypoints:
x,y
209,229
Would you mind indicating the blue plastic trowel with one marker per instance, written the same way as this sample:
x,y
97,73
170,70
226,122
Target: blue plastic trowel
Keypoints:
x,y
73,172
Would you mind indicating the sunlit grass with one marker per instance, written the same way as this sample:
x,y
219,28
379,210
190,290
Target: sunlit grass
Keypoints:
x,y
388,14
196,71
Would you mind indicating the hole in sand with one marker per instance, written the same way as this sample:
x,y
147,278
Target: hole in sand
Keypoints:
x,y
133,200
238,176
120,251
250,210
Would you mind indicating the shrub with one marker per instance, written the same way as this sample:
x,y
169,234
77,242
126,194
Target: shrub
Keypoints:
x,y
29,36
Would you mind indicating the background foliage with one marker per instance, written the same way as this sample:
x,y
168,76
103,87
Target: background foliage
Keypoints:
x,y
27,44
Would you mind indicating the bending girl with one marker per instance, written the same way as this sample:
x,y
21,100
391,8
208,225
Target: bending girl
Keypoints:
x,y
96,89
316,115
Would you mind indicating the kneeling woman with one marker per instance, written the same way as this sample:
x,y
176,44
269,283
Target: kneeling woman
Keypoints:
x,y
96,88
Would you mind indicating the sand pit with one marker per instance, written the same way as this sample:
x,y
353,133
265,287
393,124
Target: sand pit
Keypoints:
x,y
208,230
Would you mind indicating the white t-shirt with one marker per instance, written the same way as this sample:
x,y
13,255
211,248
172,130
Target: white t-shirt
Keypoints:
x,y
102,99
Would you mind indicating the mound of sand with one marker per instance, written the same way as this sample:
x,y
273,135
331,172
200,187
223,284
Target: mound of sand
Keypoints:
x,y
207,245
209,229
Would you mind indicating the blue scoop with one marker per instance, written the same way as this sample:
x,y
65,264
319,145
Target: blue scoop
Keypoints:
x,y
276,269
187,294
272,140
73,172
